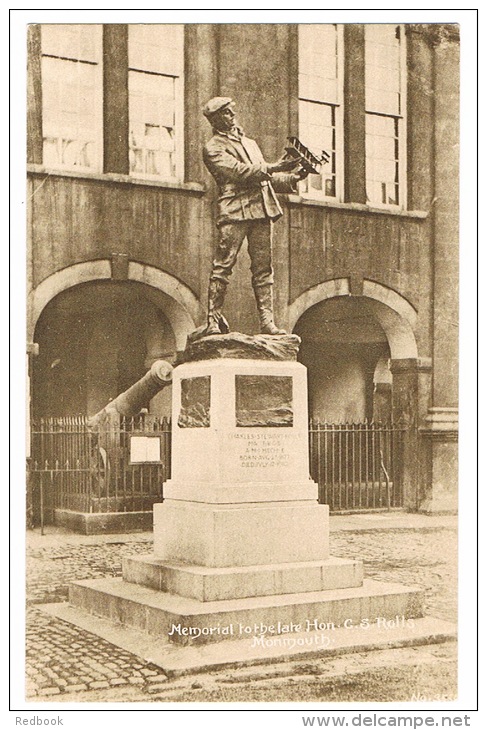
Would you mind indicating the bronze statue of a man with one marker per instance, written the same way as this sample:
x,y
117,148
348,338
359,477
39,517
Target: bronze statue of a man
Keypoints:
x,y
247,208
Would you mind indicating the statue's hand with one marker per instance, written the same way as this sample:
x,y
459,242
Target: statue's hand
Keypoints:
x,y
301,173
283,164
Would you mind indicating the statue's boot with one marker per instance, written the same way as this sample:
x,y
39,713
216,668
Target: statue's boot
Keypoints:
x,y
263,297
217,324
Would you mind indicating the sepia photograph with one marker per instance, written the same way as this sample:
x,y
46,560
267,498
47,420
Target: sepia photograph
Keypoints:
x,y
242,315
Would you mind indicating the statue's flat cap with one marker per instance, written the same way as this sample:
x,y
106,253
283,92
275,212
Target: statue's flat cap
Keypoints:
x,y
216,104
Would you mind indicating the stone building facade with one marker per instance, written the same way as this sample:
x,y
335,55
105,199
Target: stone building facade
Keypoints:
x,y
121,215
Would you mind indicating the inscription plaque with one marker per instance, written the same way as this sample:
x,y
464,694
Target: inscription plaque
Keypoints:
x,y
264,400
195,403
263,450
145,450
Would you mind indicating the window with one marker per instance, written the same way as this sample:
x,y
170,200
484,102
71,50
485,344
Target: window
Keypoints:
x,y
156,62
321,105
385,107
72,96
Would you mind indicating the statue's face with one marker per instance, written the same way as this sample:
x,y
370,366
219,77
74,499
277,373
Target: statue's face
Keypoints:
x,y
224,120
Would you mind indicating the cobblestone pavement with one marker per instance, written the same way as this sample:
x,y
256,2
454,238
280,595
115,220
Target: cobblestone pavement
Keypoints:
x,y
64,662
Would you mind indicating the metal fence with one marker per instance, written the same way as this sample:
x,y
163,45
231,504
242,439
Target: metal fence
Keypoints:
x,y
73,467
358,466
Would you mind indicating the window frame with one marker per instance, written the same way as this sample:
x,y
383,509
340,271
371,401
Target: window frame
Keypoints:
x,y
402,129
314,194
179,86
97,167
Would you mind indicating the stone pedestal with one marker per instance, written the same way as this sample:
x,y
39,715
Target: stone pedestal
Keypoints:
x,y
240,541
240,492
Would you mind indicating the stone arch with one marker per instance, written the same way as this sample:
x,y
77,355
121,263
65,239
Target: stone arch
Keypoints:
x,y
393,312
182,308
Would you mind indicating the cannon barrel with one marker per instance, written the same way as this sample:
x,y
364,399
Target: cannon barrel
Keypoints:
x,y
130,402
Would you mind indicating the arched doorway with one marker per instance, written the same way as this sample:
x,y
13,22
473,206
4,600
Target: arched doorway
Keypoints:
x,y
354,348
95,340
97,334
341,347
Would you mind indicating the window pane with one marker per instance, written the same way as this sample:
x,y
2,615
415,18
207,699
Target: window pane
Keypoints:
x,y
318,62
317,130
80,42
152,124
382,160
157,48
382,69
154,102
70,110
381,126
320,91
380,147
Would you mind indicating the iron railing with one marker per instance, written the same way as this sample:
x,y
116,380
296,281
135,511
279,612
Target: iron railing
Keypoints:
x,y
76,468
358,466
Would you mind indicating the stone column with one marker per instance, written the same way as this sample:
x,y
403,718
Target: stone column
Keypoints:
x,y
410,392
354,113
440,430
34,95
115,99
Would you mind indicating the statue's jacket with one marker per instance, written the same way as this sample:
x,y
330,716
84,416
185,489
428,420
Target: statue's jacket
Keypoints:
x,y
246,190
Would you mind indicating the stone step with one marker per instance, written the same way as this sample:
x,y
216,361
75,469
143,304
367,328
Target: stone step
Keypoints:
x,y
188,621
177,660
216,584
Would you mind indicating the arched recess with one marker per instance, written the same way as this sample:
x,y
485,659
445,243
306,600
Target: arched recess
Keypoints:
x,y
182,308
344,337
395,314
